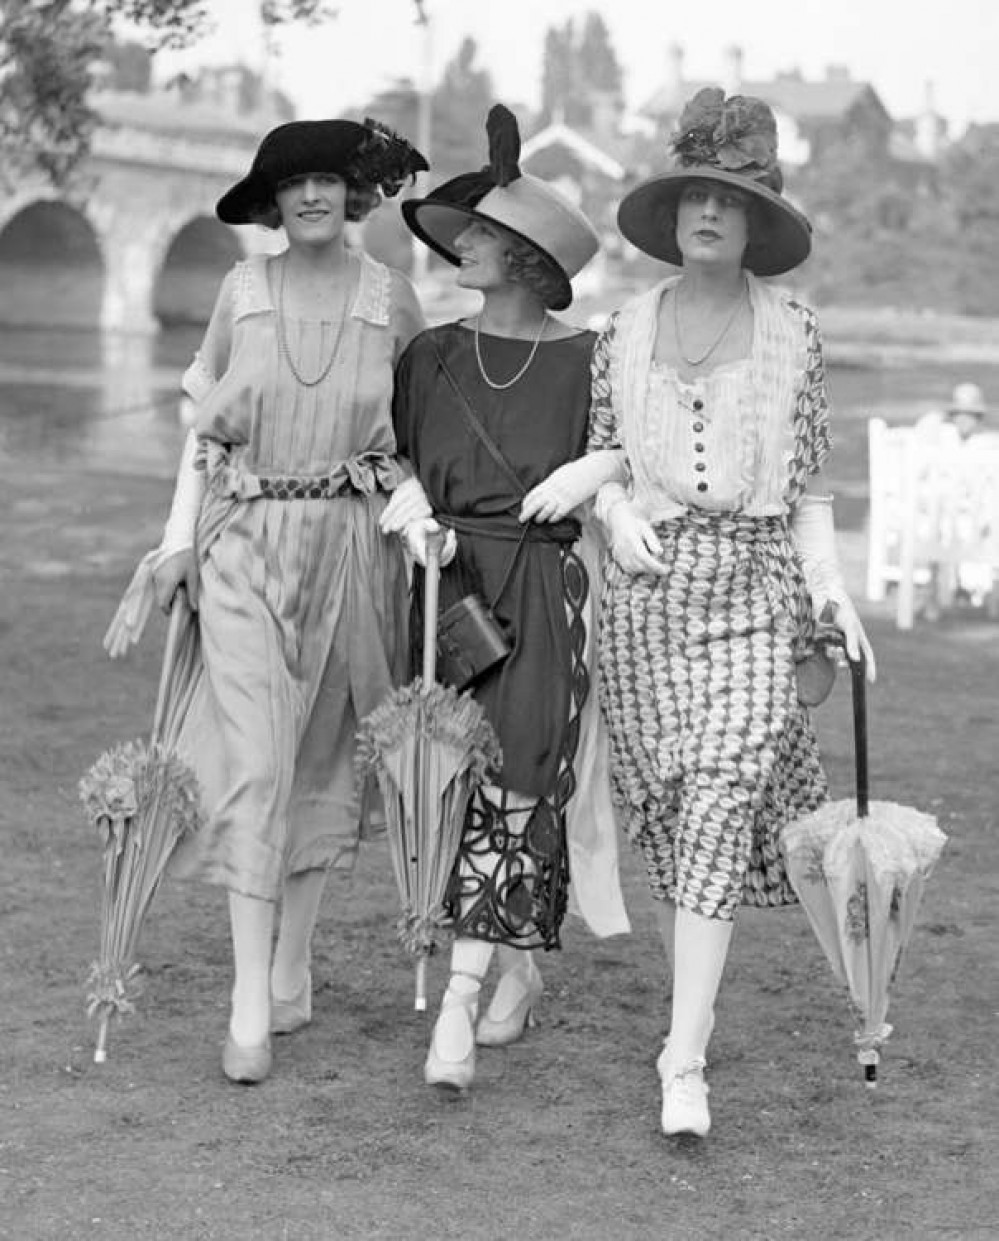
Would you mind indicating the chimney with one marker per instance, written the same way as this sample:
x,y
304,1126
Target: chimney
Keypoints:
x,y
928,126
674,72
732,77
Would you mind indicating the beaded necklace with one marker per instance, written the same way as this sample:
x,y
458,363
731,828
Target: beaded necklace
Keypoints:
x,y
285,351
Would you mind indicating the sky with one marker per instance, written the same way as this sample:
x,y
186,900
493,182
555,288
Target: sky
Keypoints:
x,y
899,46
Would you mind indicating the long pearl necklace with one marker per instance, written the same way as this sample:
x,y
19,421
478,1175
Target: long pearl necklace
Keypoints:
x,y
282,336
737,306
501,387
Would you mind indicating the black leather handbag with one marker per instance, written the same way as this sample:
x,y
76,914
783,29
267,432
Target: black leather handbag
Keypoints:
x,y
470,642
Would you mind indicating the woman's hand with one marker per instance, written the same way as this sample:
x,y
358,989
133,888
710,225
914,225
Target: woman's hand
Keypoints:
x,y
845,618
633,541
180,569
414,537
571,485
408,503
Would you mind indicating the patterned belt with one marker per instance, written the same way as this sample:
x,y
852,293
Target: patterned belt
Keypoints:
x,y
361,475
288,487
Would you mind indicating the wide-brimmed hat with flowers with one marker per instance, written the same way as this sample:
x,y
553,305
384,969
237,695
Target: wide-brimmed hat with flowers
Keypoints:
x,y
733,141
368,154
500,194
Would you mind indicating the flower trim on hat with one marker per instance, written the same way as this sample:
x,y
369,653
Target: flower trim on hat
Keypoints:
x,y
738,134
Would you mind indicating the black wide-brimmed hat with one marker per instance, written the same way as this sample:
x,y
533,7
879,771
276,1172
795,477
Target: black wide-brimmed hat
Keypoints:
x,y
732,141
363,154
499,193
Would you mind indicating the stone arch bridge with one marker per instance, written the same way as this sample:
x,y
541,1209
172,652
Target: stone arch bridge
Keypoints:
x,y
134,242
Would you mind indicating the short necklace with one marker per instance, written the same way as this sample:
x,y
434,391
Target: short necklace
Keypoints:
x,y
496,387
717,340
283,341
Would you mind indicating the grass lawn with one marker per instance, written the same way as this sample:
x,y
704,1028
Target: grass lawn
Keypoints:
x,y
560,1136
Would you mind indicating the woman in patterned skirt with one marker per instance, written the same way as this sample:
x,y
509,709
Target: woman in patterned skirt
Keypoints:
x,y
527,378
723,553
274,532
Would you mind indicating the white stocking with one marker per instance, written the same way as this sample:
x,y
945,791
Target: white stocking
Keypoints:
x,y
252,923
701,947
303,894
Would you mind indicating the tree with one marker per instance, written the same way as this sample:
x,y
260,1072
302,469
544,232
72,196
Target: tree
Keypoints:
x,y
577,69
458,110
50,55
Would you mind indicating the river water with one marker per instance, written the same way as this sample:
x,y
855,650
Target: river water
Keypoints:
x,y
99,403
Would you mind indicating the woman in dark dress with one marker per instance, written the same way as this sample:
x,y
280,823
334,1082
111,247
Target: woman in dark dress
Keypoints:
x,y
511,538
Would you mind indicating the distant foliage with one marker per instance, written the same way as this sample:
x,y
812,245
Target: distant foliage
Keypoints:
x,y
52,51
902,233
577,68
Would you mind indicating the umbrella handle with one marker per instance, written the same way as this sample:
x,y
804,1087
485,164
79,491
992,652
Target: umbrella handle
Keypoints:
x,y
431,584
858,682
858,678
420,1002
177,616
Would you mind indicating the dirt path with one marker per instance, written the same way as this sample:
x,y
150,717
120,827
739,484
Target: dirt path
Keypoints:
x,y
560,1136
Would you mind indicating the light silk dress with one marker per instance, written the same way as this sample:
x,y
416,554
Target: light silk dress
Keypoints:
x,y
303,601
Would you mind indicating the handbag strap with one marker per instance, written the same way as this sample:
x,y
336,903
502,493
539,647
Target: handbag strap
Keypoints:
x,y
490,445
478,430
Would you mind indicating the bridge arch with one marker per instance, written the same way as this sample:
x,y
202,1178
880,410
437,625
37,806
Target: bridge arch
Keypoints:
x,y
194,261
52,265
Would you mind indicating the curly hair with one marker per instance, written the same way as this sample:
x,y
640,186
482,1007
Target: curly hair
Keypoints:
x,y
527,266
362,199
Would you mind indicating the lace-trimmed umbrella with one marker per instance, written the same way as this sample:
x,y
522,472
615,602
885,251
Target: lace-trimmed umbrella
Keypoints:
x,y
860,870
428,748
143,799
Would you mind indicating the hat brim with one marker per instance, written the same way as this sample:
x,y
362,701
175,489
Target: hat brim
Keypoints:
x,y
643,218
437,224
295,148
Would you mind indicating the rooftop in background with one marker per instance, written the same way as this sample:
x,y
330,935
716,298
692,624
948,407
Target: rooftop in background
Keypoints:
x,y
229,102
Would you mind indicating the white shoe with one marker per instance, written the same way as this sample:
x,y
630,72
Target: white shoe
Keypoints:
x,y
685,1097
451,1056
512,1007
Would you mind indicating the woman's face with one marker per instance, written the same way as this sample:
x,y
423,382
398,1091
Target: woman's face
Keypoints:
x,y
712,223
482,251
313,207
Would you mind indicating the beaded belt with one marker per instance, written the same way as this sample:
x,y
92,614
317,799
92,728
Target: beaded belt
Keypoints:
x,y
278,487
362,475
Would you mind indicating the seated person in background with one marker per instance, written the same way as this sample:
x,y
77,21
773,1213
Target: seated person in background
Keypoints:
x,y
964,415
959,423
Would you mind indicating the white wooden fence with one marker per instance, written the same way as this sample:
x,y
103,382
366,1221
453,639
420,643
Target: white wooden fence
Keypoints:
x,y
934,512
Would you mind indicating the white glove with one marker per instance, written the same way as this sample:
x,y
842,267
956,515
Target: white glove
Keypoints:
x,y
178,533
130,619
573,484
414,538
406,504
633,541
814,536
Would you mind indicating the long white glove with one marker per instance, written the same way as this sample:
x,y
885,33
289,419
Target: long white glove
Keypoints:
x,y
407,503
178,536
573,484
178,533
814,535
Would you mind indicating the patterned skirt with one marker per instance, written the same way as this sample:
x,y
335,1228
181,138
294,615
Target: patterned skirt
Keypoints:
x,y
711,753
